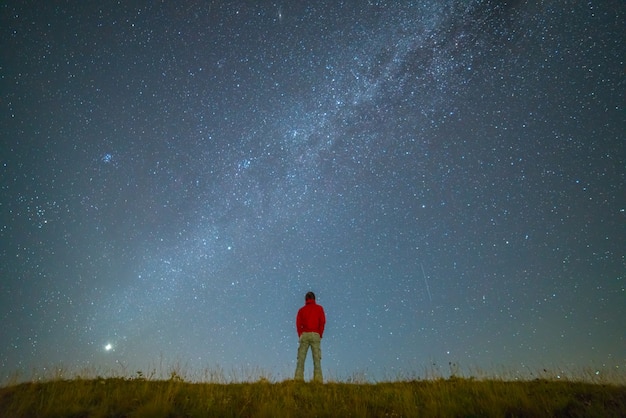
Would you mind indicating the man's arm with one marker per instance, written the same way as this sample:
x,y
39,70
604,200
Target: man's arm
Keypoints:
x,y
299,324
322,321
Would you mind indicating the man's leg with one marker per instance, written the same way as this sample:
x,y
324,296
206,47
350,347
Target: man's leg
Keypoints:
x,y
316,350
303,347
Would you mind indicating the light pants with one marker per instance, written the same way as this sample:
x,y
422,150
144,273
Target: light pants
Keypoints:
x,y
313,340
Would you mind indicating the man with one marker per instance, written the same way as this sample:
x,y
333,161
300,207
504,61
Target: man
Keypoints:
x,y
310,323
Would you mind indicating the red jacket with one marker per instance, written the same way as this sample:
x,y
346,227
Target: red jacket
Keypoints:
x,y
311,318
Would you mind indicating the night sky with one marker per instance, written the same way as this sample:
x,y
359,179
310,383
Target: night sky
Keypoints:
x,y
449,178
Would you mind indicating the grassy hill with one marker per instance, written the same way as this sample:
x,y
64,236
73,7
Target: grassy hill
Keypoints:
x,y
452,397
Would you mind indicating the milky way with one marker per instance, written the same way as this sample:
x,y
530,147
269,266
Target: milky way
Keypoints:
x,y
447,177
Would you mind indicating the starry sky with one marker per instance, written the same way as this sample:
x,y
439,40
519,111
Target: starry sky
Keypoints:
x,y
449,178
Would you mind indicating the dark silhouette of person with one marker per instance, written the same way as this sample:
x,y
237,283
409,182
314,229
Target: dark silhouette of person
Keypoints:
x,y
310,323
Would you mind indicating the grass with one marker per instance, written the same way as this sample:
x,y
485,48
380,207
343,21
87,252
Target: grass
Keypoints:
x,y
141,396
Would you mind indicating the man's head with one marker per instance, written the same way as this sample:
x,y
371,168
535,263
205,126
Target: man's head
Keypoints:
x,y
309,295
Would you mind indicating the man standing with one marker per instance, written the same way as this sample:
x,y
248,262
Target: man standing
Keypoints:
x,y
310,323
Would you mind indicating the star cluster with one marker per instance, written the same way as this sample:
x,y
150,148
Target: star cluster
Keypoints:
x,y
447,176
